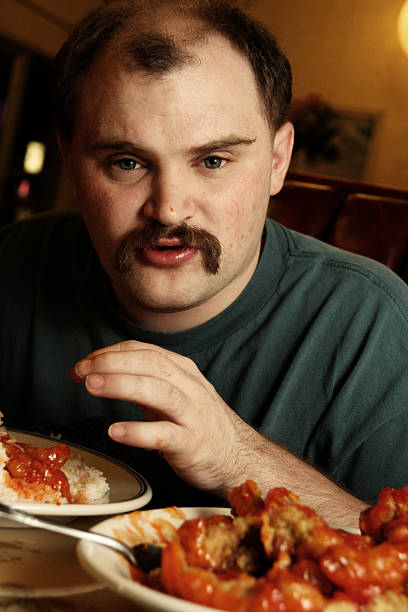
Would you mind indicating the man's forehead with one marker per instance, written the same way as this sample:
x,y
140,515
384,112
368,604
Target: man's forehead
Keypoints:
x,y
221,81
212,58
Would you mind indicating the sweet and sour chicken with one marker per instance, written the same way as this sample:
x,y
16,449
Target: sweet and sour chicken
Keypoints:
x,y
276,555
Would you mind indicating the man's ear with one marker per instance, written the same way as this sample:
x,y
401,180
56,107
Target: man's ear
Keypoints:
x,y
282,153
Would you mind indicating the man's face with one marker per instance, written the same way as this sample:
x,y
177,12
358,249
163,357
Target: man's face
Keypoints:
x,y
191,147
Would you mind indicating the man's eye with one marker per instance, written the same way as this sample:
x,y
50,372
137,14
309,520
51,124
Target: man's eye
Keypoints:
x,y
126,164
213,162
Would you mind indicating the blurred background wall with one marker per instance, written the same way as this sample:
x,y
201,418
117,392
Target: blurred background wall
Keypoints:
x,y
347,52
350,75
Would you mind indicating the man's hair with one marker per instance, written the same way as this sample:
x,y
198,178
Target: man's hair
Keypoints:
x,y
149,46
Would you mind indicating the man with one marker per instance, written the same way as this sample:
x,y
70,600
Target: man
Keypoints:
x,y
227,346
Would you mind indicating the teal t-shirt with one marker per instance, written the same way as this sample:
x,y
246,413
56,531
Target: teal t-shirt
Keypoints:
x,y
313,353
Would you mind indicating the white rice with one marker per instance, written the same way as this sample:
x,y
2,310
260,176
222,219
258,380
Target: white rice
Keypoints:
x,y
87,484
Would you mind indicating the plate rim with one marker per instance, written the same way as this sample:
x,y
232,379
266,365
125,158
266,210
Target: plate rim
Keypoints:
x,y
97,509
11,593
156,600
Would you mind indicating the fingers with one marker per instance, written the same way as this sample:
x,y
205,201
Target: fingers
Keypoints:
x,y
163,397
143,376
141,373
127,346
142,362
162,435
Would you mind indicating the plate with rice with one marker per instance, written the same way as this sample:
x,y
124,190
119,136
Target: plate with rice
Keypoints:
x,y
47,477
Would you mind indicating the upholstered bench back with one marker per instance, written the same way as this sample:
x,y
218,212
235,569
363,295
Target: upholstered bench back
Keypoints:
x,y
366,219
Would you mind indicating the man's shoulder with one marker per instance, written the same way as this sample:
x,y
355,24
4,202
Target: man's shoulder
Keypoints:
x,y
322,253
47,244
328,268
53,229
53,220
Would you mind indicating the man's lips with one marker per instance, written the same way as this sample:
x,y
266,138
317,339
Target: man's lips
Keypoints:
x,y
168,253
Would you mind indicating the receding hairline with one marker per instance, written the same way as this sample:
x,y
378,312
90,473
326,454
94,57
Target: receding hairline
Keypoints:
x,y
188,41
191,21
184,42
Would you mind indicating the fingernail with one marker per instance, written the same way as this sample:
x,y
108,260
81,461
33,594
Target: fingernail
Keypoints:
x,y
94,381
83,368
117,431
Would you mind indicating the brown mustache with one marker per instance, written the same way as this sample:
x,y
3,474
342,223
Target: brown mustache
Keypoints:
x,y
189,236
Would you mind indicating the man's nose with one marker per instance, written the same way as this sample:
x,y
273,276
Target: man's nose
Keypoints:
x,y
171,200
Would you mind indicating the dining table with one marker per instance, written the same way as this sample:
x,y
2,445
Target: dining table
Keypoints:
x,y
40,572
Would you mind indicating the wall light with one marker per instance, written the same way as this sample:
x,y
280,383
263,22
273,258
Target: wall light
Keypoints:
x,y
402,27
34,157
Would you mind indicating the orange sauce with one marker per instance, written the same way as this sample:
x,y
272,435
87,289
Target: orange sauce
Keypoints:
x,y
35,465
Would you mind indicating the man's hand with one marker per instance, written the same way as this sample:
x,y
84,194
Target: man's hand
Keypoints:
x,y
203,440
187,421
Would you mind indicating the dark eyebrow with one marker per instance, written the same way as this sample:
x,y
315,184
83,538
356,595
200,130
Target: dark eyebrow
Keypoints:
x,y
216,145
199,151
114,145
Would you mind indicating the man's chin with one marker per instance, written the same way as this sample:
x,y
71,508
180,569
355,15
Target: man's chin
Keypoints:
x,y
155,300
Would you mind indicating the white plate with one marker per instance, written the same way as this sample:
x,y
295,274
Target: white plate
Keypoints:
x,y
36,563
128,489
144,526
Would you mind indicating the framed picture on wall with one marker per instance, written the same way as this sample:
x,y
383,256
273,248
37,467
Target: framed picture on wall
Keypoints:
x,y
331,141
